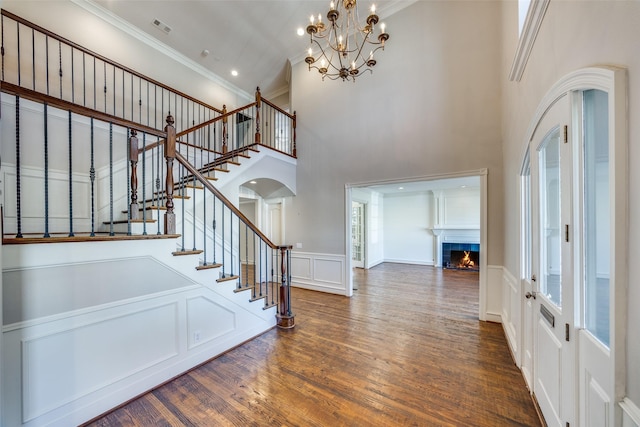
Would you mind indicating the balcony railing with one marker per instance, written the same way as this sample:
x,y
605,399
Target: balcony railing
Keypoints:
x,y
94,158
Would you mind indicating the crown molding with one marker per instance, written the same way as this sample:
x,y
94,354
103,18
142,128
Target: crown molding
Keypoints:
x,y
154,43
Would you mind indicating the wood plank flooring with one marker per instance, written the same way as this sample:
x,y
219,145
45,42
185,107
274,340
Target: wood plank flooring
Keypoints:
x,y
406,350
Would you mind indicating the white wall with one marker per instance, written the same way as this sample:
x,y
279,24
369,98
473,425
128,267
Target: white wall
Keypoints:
x,y
407,228
574,35
432,106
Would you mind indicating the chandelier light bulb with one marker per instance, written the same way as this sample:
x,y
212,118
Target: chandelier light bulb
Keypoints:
x,y
382,27
323,63
373,9
310,52
312,19
332,6
319,18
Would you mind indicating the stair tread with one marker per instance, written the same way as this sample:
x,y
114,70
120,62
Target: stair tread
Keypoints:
x,y
133,221
227,278
185,252
205,267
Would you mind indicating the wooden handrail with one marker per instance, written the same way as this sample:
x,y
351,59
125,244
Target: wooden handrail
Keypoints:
x,y
275,107
32,95
102,58
215,119
197,147
223,199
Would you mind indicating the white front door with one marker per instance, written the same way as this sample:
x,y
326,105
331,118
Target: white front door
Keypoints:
x,y
554,338
579,188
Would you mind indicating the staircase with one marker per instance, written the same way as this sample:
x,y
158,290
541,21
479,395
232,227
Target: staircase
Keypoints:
x,y
123,244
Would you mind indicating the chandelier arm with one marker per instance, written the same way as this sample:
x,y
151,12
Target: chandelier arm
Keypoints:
x,y
328,58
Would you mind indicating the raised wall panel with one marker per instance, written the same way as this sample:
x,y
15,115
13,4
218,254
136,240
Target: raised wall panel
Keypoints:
x,y
62,366
207,320
328,271
301,267
321,272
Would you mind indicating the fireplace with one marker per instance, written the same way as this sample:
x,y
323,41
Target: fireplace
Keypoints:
x,y
461,256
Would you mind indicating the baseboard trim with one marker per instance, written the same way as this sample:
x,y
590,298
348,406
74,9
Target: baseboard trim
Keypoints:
x,y
493,317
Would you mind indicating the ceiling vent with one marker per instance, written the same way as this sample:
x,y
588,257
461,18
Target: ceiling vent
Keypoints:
x,y
161,26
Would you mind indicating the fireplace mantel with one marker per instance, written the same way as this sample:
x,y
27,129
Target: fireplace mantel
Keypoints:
x,y
453,234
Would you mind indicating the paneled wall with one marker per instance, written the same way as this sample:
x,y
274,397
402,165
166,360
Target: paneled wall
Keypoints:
x,y
87,326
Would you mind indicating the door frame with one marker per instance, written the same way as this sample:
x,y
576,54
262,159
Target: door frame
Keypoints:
x,y
483,286
612,80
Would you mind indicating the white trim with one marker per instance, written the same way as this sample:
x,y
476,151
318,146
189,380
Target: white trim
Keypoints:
x,y
154,43
483,286
630,410
315,275
535,15
434,177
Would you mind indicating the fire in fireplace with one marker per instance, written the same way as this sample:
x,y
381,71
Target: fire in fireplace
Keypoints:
x,y
461,256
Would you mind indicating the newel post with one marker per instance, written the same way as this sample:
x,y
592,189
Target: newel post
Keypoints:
x,y
258,104
294,153
133,158
285,317
170,155
224,129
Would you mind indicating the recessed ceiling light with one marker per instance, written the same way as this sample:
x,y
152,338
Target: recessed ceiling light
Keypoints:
x,y
400,188
463,186
252,182
300,31
234,73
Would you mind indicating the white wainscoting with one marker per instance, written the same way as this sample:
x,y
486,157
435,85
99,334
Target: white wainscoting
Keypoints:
x,y
511,312
630,413
319,272
493,297
95,354
64,368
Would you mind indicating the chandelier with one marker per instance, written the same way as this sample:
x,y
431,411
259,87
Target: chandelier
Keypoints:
x,y
341,48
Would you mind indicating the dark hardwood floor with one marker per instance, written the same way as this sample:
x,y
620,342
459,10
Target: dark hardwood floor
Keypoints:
x,y
406,350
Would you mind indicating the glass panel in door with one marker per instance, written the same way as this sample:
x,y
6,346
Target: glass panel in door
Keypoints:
x,y
597,223
357,234
550,200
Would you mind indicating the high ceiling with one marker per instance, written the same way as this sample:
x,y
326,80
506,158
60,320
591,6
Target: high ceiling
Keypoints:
x,y
257,38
